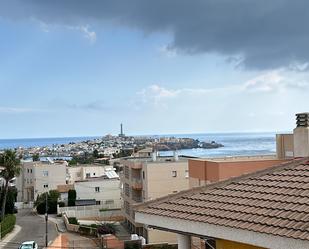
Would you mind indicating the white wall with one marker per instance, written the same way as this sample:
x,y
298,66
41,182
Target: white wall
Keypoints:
x,y
109,189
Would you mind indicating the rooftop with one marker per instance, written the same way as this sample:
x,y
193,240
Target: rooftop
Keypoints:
x,y
65,188
239,158
159,159
95,179
274,201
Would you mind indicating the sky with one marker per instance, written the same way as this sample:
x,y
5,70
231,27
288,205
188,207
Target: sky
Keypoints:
x,y
80,68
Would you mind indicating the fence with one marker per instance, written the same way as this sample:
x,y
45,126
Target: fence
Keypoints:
x,y
22,205
98,211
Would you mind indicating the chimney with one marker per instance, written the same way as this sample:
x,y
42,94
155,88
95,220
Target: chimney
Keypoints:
x,y
176,158
301,135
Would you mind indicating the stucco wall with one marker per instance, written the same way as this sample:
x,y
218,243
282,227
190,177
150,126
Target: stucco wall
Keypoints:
x,y
208,171
159,179
109,189
233,169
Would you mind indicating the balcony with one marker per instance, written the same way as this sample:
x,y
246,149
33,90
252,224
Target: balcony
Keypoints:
x,y
137,199
137,184
135,165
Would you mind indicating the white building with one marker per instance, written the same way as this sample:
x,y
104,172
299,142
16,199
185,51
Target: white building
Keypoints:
x,y
83,172
39,177
104,191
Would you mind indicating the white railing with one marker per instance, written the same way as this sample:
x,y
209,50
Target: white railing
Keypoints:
x,y
90,211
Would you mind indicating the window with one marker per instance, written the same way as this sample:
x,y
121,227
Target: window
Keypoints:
x,y
97,189
94,174
45,173
174,173
87,175
143,174
45,186
98,202
28,170
187,173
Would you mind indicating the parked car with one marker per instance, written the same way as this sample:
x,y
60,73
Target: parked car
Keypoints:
x,y
28,245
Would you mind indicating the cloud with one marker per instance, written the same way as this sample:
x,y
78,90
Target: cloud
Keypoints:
x,y
91,106
84,29
16,110
265,34
90,35
273,81
159,96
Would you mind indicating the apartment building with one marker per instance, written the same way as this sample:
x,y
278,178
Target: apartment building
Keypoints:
x,y
204,171
256,211
39,177
102,190
144,179
295,144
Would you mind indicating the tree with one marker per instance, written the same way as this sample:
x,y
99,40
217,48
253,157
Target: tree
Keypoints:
x,y
52,200
95,153
12,168
36,157
71,197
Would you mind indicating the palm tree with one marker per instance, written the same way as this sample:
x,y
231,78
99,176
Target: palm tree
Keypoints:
x,y
11,168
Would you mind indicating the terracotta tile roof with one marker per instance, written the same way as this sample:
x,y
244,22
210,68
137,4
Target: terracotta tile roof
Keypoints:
x,y
273,201
65,188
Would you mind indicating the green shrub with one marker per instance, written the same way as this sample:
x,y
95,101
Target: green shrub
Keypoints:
x,y
7,224
71,197
73,220
61,204
88,230
52,197
107,228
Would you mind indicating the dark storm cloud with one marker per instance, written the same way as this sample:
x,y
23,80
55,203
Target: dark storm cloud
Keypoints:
x,y
264,33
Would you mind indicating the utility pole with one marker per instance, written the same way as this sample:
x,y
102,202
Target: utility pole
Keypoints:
x,y
46,220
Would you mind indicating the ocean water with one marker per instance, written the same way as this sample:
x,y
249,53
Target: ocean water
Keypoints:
x,y
235,144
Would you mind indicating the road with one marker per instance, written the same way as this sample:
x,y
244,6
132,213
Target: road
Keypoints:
x,y
32,228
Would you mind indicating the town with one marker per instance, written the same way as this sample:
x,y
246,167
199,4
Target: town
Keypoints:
x,y
146,199
114,146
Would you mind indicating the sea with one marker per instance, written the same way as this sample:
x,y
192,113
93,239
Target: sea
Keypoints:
x,y
235,144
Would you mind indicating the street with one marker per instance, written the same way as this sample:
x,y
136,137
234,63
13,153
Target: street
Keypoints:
x,y
33,228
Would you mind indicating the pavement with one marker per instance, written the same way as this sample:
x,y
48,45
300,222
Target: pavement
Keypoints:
x,y
58,221
5,242
32,227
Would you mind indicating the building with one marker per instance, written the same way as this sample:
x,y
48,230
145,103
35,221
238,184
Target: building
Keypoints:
x,y
204,171
297,143
63,191
104,191
121,134
82,172
266,209
149,178
39,177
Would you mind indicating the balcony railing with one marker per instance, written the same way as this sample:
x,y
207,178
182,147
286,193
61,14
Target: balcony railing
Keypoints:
x,y
137,184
